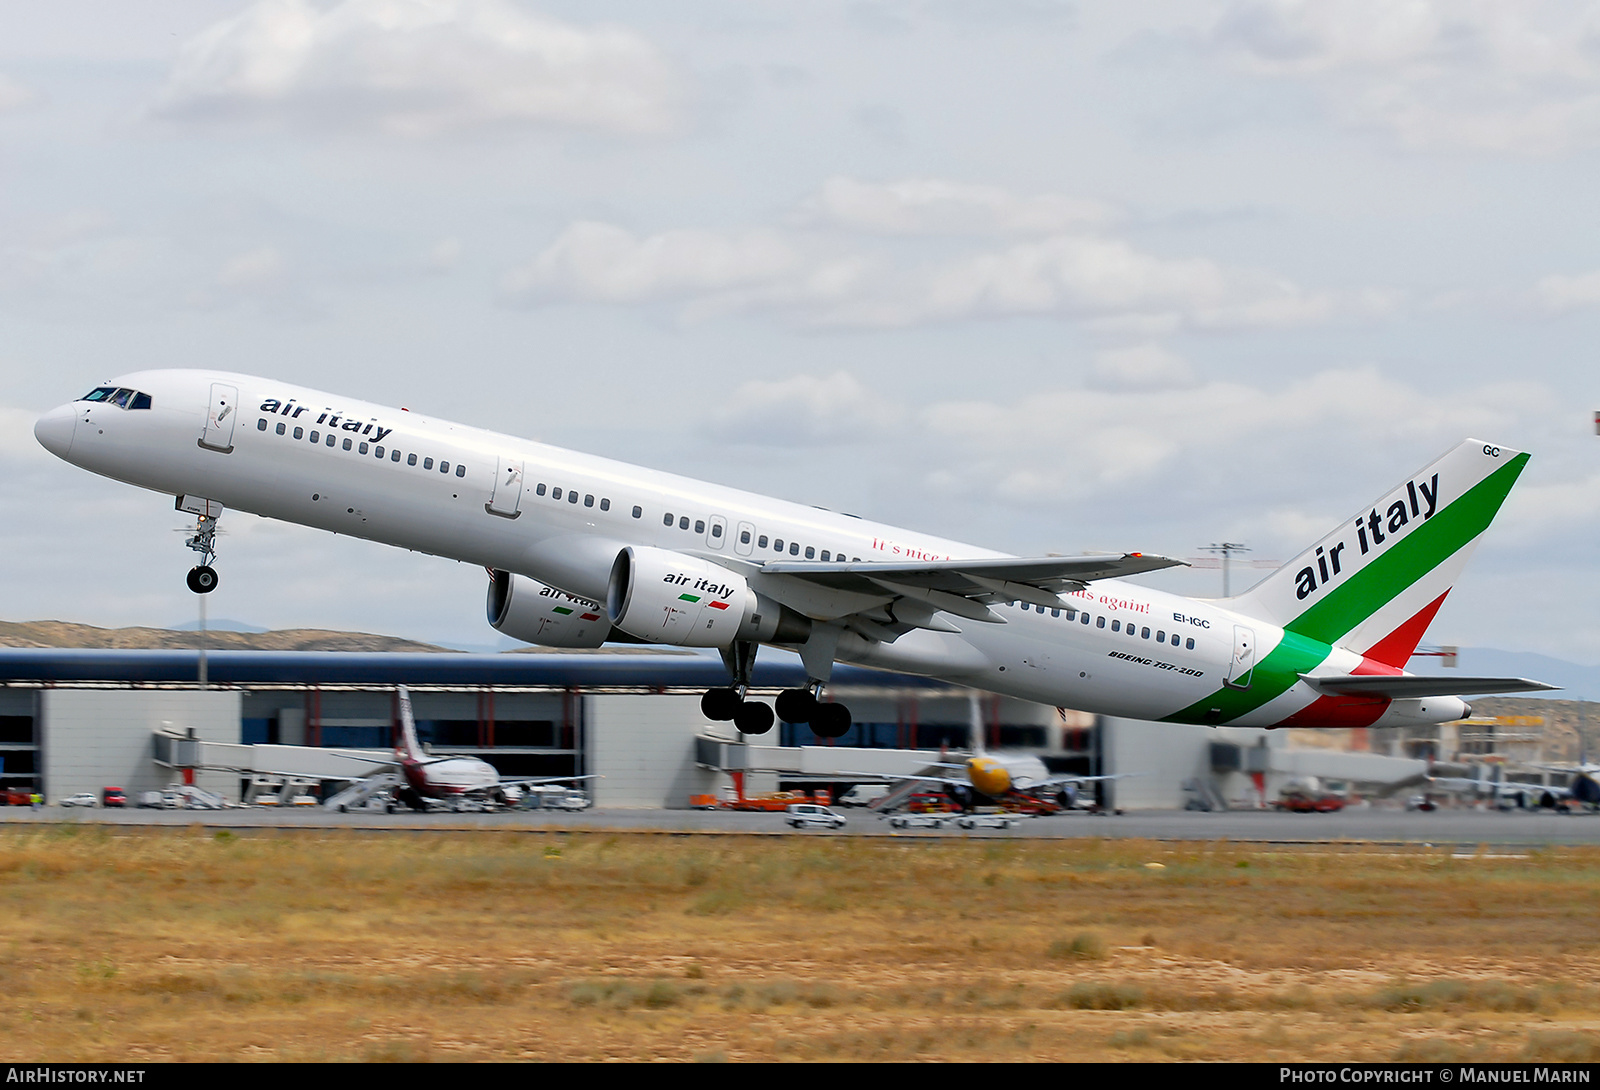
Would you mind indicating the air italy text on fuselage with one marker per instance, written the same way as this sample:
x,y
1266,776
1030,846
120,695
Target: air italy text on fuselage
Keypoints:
x,y
328,418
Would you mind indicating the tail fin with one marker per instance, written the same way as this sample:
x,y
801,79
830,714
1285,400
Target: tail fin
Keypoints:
x,y
1374,583
407,746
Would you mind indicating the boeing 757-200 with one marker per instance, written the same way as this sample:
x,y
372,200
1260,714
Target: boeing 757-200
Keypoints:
x,y
581,550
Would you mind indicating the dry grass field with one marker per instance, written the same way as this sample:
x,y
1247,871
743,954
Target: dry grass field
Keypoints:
x,y
135,946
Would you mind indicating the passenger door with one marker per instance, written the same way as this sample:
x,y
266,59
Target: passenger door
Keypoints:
x,y
221,415
506,499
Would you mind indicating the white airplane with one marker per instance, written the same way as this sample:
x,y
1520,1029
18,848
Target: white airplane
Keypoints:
x,y
582,549
452,779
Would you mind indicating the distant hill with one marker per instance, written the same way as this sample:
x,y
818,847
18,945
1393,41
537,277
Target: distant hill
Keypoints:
x,y
1577,682
66,634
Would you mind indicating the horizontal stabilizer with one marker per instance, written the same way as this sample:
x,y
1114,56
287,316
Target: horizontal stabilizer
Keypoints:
x,y
1407,687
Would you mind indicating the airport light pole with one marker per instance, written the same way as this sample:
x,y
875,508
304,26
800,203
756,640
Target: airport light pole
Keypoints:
x,y
1227,549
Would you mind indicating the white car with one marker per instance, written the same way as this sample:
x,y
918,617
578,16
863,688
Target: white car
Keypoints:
x,y
801,814
82,798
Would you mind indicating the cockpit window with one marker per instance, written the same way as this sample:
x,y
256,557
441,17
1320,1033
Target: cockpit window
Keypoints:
x,y
122,397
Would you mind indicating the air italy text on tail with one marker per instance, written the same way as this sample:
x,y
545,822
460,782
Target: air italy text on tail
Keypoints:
x,y
1374,583
1338,623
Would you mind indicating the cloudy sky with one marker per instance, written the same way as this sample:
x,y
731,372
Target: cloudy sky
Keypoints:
x,y
1042,276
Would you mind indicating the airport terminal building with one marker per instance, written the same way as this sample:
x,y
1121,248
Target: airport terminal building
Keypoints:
x,y
80,720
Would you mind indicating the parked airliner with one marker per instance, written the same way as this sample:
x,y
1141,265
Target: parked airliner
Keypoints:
x,y
581,550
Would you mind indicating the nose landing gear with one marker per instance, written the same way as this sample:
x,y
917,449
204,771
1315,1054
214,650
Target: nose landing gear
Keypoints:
x,y
202,578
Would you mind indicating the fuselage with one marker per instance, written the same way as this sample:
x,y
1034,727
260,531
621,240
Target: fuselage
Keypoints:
x,y
399,477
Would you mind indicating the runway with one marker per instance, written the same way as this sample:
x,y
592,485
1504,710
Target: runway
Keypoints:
x,y
1443,827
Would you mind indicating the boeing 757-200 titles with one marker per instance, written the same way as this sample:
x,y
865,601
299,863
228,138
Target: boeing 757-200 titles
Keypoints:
x,y
582,549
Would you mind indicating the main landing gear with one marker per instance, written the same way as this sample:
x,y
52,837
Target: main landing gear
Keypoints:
x,y
803,706
827,720
730,704
202,578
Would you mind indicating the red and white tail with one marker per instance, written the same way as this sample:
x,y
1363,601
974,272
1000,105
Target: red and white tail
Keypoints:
x,y
406,746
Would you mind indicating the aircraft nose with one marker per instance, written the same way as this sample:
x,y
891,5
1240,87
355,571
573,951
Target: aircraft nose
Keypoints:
x,y
54,429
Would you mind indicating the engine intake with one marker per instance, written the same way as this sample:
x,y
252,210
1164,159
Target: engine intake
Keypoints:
x,y
667,597
527,610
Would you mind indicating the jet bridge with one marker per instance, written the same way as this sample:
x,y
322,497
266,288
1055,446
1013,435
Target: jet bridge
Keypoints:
x,y
175,750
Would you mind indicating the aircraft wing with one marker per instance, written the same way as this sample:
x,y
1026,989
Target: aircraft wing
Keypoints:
x,y
1407,687
916,590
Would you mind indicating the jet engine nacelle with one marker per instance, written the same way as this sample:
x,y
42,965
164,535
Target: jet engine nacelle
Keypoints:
x,y
1432,709
662,596
527,610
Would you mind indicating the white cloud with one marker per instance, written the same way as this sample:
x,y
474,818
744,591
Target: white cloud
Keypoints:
x,y
420,68
810,280
1143,366
1558,294
13,94
935,206
600,262
16,436
804,410
1090,444
254,270
1482,75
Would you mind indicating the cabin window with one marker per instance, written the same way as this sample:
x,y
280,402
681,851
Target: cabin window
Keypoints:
x,y
638,512
683,522
761,542
300,433
666,519
588,500
1099,622
555,493
794,548
411,459
605,504
1161,636
444,467
1116,626
427,463
811,553
1145,633
394,456
540,490
777,544
261,425
744,537
825,554
461,470
282,427
699,526
378,453
1055,613
1083,618
363,449
316,436
1188,644
329,441
572,497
